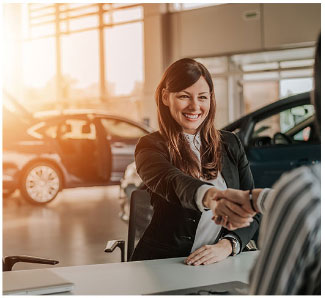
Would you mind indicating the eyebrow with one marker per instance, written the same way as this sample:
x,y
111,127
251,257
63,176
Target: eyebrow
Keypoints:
x,y
190,93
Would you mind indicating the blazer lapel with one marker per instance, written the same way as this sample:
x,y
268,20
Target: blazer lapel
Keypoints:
x,y
228,171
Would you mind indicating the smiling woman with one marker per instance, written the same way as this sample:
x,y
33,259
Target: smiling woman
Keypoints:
x,y
182,168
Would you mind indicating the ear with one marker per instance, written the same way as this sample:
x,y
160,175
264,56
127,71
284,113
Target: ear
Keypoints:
x,y
165,96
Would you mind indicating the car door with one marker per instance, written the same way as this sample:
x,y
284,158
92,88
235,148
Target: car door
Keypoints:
x,y
78,140
273,150
123,137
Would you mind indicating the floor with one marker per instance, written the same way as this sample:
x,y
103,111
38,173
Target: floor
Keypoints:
x,y
73,229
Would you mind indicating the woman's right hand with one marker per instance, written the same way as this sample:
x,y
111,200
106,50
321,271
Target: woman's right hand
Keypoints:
x,y
225,212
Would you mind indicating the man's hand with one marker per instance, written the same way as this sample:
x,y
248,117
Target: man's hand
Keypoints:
x,y
226,213
241,197
209,254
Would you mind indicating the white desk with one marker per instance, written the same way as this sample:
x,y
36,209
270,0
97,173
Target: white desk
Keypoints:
x,y
148,277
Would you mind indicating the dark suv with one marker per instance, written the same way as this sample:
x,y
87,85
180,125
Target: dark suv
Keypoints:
x,y
65,149
279,137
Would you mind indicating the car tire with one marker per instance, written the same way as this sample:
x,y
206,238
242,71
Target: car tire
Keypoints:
x,y
40,183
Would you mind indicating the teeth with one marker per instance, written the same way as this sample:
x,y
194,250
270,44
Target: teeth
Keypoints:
x,y
191,116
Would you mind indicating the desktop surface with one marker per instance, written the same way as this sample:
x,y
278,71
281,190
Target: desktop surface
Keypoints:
x,y
154,276
34,282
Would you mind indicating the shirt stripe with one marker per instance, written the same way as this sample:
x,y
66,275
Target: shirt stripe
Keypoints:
x,y
289,261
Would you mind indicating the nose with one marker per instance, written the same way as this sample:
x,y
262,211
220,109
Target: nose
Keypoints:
x,y
195,104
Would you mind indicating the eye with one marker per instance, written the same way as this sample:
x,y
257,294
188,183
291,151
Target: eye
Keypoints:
x,y
183,96
203,97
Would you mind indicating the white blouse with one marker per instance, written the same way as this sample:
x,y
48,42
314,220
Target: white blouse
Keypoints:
x,y
207,231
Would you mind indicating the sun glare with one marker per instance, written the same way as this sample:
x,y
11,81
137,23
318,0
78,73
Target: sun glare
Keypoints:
x,y
36,49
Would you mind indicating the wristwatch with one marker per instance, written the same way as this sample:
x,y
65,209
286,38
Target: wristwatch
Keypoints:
x,y
234,244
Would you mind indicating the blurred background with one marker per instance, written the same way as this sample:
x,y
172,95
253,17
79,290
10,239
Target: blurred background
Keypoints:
x,y
113,55
109,58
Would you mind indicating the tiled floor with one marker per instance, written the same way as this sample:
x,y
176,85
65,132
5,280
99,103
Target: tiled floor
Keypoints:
x,y
73,229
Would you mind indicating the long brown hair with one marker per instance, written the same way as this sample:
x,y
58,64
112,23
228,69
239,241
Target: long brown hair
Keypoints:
x,y
179,76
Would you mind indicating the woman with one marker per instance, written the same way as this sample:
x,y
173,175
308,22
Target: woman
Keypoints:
x,y
184,165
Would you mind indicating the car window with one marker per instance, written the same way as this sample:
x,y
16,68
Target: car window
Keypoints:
x,y
77,129
303,135
49,131
122,129
41,130
274,129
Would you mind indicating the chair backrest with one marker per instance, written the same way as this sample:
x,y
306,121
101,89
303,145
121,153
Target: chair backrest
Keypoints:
x,y
140,216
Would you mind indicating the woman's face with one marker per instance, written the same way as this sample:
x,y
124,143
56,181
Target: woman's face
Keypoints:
x,y
190,106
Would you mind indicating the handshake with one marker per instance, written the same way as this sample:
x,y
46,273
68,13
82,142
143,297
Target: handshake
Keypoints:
x,y
232,208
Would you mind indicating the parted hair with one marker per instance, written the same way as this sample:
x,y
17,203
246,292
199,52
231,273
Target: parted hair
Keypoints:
x,y
179,76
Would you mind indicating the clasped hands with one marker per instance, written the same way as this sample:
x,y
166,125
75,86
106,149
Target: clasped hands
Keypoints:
x,y
231,207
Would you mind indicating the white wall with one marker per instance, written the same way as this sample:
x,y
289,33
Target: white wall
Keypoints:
x,y
238,28
221,30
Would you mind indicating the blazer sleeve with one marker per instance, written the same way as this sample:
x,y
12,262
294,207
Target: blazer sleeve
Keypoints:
x,y
245,182
161,177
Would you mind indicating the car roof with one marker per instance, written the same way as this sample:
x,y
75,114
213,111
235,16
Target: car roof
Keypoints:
x,y
88,113
264,112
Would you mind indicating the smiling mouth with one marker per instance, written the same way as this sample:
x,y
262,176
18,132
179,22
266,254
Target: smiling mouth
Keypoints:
x,y
192,116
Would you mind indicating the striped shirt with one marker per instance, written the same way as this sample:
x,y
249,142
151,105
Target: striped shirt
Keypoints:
x,y
290,236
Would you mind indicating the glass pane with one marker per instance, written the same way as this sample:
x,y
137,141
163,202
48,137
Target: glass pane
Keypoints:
x,y
76,5
83,22
261,76
290,118
49,131
124,15
260,66
259,94
78,129
43,18
269,130
297,63
124,58
122,129
80,64
43,9
216,65
295,86
39,63
83,10
296,73
303,135
187,6
42,30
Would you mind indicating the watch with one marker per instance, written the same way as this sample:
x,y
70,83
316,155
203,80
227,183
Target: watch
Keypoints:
x,y
234,244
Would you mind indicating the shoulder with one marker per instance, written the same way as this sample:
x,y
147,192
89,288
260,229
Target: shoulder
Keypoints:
x,y
298,192
151,141
294,206
231,144
299,177
228,137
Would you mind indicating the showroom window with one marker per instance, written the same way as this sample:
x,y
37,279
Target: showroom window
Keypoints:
x,y
247,82
188,6
76,55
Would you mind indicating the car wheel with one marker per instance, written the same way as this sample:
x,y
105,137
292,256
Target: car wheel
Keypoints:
x,y
41,183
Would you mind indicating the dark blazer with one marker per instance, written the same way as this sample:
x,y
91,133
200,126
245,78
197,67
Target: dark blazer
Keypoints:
x,y
175,219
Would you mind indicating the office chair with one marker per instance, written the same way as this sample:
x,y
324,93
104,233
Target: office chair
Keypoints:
x,y
9,261
140,216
